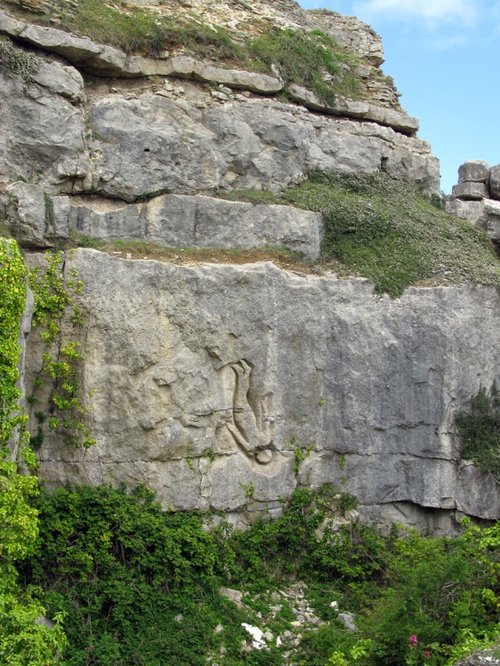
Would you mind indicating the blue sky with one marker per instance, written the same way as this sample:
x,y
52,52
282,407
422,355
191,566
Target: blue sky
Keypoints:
x,y
444,56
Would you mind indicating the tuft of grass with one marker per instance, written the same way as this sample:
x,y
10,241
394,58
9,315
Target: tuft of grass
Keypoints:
x,y
138,249
389,232
479,431
16,61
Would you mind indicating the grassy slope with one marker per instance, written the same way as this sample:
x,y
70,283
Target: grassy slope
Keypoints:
x,y
387,231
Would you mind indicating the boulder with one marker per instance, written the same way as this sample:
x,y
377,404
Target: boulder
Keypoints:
x,y
475,171
491,219
36,218
484,213
470,190
60,80
342,106
43,133
471,211
234,78
494,182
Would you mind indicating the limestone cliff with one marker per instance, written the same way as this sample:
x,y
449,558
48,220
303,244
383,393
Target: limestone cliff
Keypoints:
x,y
224,386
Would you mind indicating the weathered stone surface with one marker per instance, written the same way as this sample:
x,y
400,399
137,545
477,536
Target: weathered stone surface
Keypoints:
x,y
36,218
476,171
42,138
25,330
75,49
491,219
484,213
234,78
494,182
357,109
60,79
201,380
470,190
154,143
468,210
237,360
352,33
10,25
342,106
186,221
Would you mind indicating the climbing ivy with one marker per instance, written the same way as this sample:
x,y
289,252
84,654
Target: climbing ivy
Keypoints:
x,y
23,642
55,291
12,302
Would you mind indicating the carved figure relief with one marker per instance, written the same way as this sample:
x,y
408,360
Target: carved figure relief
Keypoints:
x,y
250,431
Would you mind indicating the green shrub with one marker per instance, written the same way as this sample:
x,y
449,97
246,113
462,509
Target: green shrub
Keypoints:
x,y
122,569
23,642
436,589
12,303
54,291
302,542
139,585
479,431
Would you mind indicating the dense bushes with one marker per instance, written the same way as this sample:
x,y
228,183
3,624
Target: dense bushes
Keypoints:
x,y
138,585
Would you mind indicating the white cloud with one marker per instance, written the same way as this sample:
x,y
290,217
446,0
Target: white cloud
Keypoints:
x,y
431,11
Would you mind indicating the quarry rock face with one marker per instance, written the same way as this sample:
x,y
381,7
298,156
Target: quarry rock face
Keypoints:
x,y
224,387
207,380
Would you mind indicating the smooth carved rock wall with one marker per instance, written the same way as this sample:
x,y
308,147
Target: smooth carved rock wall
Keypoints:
x,y
205,378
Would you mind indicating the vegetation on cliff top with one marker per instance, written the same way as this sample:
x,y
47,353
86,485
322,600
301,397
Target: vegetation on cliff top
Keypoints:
x,y
312,59
387,231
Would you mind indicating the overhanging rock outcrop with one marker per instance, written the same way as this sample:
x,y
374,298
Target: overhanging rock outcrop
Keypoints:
x,y
205,381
